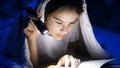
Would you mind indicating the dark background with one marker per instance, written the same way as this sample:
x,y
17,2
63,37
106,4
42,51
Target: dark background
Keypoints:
x,y
105,14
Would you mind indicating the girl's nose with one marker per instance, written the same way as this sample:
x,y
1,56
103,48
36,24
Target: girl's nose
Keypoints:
x,y
64,30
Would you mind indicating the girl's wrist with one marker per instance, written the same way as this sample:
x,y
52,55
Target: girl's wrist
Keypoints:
x,y
32,38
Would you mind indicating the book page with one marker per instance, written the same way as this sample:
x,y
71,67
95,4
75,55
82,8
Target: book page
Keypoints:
x,y
94,63
88,64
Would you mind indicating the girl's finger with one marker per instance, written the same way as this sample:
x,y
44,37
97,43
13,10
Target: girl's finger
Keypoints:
x,y
26,32
29,28
30,25
61,62
77,62
66,61
72,61
33,25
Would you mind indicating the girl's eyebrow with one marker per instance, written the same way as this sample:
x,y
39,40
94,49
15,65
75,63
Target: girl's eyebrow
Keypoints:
x,y
76,20
57,19
61,20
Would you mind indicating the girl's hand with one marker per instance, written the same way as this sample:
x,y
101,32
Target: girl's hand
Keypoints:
x,y
31,31
68,61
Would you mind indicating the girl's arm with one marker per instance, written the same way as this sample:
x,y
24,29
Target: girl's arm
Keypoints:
x,y
33,52
31,34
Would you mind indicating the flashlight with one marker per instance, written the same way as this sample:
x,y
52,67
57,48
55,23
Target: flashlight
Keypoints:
x,y
38,23
41,26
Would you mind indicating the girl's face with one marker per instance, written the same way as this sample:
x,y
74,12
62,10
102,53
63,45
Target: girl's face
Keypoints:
x,y
61,22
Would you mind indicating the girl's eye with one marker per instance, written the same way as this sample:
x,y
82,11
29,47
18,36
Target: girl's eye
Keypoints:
x,y
72,23
58,22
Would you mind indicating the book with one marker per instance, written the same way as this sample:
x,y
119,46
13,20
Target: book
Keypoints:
x,y
94,63
89,64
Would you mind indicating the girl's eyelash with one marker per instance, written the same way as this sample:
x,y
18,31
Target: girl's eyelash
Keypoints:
x,y
58,22
72,23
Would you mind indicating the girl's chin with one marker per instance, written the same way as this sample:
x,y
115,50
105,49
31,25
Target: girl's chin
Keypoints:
x,y
58,37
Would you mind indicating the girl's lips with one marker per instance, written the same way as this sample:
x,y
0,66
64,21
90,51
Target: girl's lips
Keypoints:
x,y
60,35
56,35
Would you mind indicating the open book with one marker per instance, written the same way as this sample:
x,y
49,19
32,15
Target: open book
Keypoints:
x,y
91,64
94,63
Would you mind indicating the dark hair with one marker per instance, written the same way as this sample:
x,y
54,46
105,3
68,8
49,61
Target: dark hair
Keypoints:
x,y
54,5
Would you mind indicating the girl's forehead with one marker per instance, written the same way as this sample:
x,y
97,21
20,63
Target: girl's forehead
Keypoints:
x,y
64,11
66,16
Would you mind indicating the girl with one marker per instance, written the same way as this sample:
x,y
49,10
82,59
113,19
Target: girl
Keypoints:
x,y
67,22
